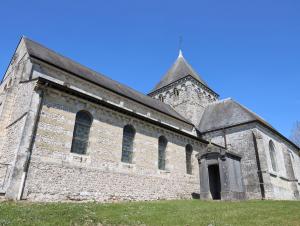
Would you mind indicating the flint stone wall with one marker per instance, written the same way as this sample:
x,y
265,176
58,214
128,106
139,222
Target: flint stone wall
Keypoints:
x,y
56,174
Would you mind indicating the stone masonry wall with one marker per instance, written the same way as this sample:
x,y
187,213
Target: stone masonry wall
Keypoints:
x,y
281,186
15,99
191,99
56,174
240,140
86,87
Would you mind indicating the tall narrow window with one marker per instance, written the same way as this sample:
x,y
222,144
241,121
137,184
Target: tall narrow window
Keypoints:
x,y
273,155
176,92
10,83
161,98
81,132
127,144
188,155
162,145
1,108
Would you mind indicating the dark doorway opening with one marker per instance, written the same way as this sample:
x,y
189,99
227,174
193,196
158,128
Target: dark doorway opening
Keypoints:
x,y
214,181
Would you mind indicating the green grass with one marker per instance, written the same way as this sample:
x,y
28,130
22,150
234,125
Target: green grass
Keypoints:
x,y
182,212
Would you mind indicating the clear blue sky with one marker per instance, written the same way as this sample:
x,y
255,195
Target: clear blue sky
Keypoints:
x,y
245,49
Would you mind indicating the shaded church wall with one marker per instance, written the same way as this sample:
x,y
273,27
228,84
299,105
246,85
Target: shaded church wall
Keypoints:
x,y
239,140
276,185
220,175
283,181
16,92
56,174
295,160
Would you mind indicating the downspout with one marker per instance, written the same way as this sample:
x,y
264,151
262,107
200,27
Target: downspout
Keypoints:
x,y
259,172
29,152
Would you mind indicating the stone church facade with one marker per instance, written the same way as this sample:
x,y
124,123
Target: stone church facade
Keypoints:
x,y
70,133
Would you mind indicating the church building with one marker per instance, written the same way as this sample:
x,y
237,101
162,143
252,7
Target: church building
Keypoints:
x,y
68,133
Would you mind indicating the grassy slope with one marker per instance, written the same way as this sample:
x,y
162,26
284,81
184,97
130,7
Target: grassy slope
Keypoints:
x,y
183,212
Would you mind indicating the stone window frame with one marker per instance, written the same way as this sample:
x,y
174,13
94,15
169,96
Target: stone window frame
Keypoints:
x,y
161,98
294,163
176,92
162,147
188,159
1,109
83,123
3,101
10,82
128,137
273,157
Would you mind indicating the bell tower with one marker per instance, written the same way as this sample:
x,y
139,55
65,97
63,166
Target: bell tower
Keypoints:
x,y
184,89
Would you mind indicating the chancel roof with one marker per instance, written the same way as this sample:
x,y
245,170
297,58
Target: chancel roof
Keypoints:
x,y
226,113
44,54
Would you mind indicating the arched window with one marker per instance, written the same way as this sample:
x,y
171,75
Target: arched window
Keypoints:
x,y
161,98
188,156
127,143
81,132
176,92
10,83
1,109
292,156
162,145
273,155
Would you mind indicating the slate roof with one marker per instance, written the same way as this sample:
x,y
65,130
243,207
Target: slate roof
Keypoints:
x,y
180,69
44,54
226,113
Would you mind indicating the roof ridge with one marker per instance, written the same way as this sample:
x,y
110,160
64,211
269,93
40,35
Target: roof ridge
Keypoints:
x,y
220,101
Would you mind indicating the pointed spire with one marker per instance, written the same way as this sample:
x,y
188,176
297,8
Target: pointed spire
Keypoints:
x,y
180,69
180,53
